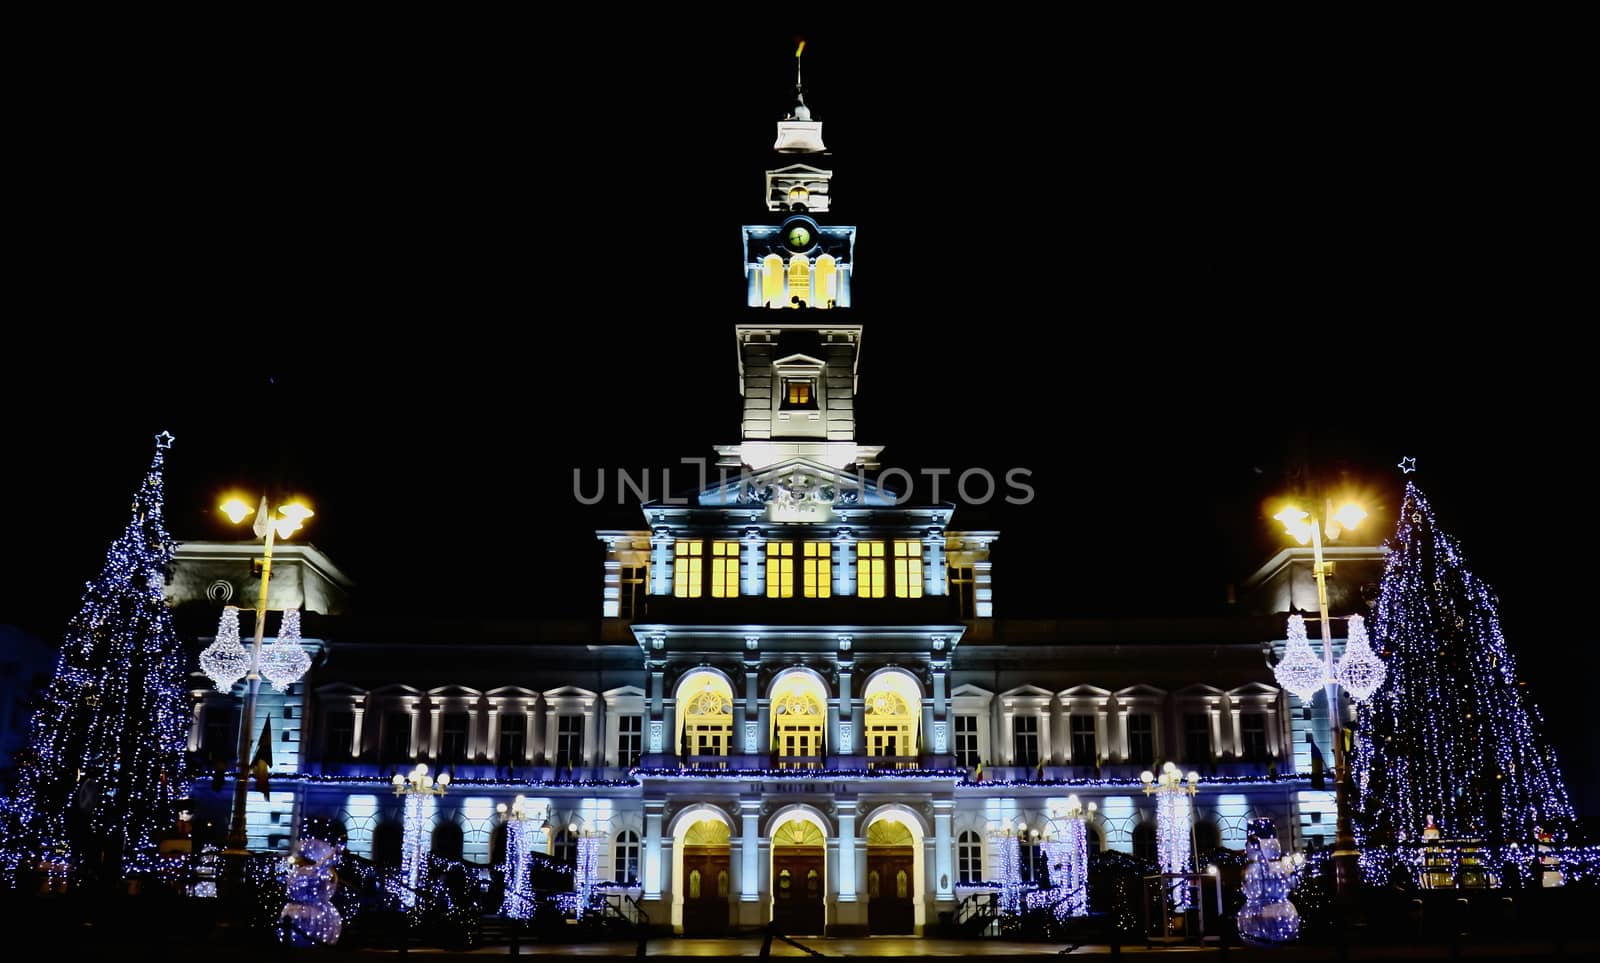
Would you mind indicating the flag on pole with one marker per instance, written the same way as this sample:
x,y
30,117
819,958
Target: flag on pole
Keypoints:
x,y
261,766
977,774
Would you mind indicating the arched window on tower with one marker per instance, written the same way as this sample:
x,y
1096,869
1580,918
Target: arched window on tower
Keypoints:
x,y
772,282
826,282
799,281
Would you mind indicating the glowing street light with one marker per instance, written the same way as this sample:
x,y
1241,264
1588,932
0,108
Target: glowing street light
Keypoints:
x,y
225,660
1360,671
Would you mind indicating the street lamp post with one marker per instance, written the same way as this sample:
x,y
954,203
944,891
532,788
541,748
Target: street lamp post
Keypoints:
x,y
1360,671
223,661
1174,824
416,786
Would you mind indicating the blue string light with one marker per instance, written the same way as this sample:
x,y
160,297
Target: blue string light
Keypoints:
x,y
105,760
1452,733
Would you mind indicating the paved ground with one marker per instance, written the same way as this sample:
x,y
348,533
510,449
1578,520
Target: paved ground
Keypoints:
x,y
895,946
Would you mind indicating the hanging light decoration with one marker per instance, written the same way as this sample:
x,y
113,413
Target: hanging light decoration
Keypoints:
x,y
225,661
1360,670
1300,671
285,660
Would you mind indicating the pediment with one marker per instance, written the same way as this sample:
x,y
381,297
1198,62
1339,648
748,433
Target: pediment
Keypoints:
x,y
799,361
1027,691
797,490
799,169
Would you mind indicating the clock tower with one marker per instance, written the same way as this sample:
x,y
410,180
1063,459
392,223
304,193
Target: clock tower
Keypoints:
x,y
797,368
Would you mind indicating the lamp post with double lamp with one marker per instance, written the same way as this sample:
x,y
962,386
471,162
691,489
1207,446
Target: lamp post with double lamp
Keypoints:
x,y
1174,825
290,519
417,787
1359,670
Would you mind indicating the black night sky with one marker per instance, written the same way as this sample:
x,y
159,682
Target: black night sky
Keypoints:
x,y
425,284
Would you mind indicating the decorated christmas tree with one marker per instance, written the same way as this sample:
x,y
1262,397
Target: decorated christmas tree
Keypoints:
x,y
104,764
1452,735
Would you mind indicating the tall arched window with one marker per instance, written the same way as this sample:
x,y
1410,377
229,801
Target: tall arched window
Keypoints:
x,y
969,857
799,281
799,709
826,282
893,711
625,857
772,282
705,704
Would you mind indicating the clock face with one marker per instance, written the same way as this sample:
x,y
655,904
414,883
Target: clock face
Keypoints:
x,y
799,238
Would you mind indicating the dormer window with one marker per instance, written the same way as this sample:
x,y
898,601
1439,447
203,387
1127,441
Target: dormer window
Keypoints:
x,y
799,393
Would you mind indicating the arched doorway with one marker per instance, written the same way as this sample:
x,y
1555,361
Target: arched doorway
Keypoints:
x,y
799,875
891,876
799,703
705,878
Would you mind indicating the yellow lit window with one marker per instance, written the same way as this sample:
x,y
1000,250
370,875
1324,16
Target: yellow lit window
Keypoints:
x,y
819,570
908,570
686,568
724,570
780,570
798,392
869,570
799,282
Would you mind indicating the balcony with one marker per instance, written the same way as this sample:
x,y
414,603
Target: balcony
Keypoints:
x,y
841,610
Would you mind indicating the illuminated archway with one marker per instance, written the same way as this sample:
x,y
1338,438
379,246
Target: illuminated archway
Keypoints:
x,y
890,830
799,281
704,724
772,282
702,867
892,718
798,869
799,714
826,282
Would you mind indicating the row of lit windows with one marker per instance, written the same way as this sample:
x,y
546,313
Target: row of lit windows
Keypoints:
x,y
816,569
1197,746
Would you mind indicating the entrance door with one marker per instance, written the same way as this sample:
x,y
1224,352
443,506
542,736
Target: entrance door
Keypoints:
x,y
891,889
706,883
797,875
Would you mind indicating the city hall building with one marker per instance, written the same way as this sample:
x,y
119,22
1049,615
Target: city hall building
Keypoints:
x,y
799,701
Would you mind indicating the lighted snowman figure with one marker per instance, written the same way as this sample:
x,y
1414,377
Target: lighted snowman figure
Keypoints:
x,y
310,912
1267,917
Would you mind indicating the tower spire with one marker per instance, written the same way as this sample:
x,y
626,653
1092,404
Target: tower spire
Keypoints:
x,y
799,89
798,133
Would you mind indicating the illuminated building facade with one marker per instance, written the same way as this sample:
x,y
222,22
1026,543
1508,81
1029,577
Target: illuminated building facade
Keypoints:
x,y
798,703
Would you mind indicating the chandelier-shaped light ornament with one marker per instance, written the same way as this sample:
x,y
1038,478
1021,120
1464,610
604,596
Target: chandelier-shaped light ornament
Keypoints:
x,y
225,661
1299,671
1360,670
285,661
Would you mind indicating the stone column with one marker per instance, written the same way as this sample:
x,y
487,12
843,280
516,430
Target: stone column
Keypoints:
x,y
845,733
750,879
661,561
491,746
654,877
530,748
943,850
933,563
355,732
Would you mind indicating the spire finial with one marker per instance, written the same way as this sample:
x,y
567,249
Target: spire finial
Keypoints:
x,y
797,52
